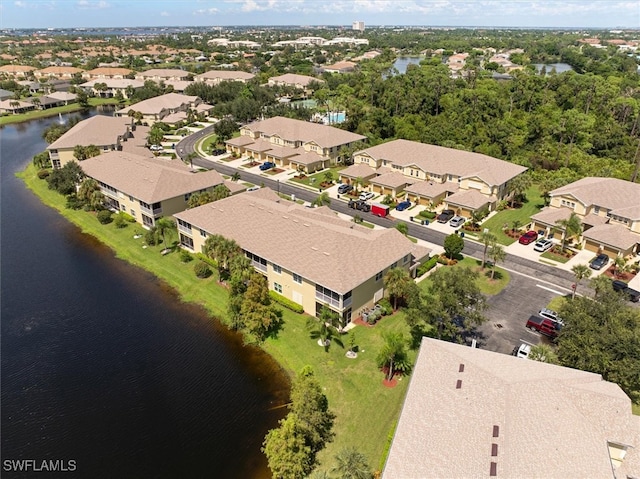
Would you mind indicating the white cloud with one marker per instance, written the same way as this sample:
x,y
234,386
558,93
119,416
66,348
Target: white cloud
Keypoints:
x,y
86,4
20,4
164,14
206,11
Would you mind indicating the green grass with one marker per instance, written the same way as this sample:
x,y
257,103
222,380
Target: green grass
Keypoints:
x,y
635,408
557,303
366,411
485,283
207,142
534,203
317,178
34,115
554,257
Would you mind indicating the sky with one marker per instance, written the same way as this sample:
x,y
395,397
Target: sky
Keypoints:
x,y
488,13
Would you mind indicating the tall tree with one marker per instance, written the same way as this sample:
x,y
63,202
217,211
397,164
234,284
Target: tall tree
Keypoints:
x,y
323,199
351,464
570,227
580,272
393,355
325,329
288,455
400,286
221,250
496,254
488,239
165,227
453,245
259,316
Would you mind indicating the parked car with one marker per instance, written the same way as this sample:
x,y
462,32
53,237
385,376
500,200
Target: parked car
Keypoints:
x,y
156,148
253,188
344,188
522,351
599,262
360,205
550,315
218,151
544,326
543,245
267,165
403,205
445,216
366,195
457,221
631,294
528,238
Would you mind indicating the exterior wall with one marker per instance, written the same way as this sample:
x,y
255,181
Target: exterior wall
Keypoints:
x,y
568,201
303,294
635,226
476,184
367,160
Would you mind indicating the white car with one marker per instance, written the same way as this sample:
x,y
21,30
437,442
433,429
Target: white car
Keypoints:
x,y
366,195
542,245
523,351
550,315
156,148
457,221
253,188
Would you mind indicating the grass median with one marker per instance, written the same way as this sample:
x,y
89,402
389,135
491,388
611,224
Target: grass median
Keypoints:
x,y
366,410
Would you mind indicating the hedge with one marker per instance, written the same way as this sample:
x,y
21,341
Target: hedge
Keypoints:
x,y
427,265
287,303
206,259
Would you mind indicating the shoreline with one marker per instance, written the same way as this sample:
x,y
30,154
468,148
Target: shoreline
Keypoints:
x,y
365,409
48,113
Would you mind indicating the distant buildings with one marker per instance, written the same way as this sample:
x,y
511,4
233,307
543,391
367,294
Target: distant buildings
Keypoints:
x,y
158,108
358,25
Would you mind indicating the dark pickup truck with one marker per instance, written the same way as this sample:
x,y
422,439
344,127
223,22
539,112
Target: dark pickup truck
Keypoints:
x,y
631,294
360,205
544,326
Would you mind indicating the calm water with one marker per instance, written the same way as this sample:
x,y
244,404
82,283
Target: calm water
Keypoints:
x,y
560,67
402,63
102,364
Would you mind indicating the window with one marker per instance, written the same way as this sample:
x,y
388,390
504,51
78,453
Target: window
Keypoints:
x,y
147,221
570,204
187,196
379,276
277,269
327,296
184,224
133,212
186,241
407,258
297,278
257,261
203,233
277,287
596,210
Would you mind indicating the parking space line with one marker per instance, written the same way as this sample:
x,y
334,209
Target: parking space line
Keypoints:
x,y
526,342
549,289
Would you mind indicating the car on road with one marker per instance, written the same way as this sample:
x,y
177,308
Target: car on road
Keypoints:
x,y
156,148
631,294
366,195
360,205
457,221
599,261
542,245
445,216
522,351
344,188
253,188
528,238
403,205
267,165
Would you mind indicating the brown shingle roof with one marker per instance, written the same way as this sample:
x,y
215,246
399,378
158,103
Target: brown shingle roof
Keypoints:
x,y
149,180
442,161
298,130
550,421
99,130
359,170
110,71
611,234
470,199
164,73
224,75
432,189
392,180
323,248
293,79
157,104
609,193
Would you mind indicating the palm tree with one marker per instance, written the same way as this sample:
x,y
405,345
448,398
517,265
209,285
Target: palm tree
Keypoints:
x,y
165,227
324,329
572,226
580,272
396,283
518,186
322,199
235,176
621,266
358,183
393,354
496,254
487,238
328,176
351,464
222,250
36,102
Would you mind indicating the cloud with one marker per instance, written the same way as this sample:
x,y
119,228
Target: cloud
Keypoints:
x,y
86,4
164,14
20,4
206,11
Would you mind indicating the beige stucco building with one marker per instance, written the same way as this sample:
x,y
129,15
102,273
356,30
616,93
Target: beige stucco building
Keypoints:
x,y
147,188
609,209
162,74
214,77
106,132
106,72
292,143
469,413
157,108
310,256
462,180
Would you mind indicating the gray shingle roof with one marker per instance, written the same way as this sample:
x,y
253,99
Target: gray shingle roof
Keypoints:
x,y
553,422
323,248
442,161
149,180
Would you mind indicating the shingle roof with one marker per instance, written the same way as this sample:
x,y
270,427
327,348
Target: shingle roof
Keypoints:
x,y
293,79
552,422
114,83
224,75
359,170
157,104
323,248
430,189
298,130
98,130
59,70
149,180
164,73
392,180
470,198
109,71
440,160
609,193
550,215
613,234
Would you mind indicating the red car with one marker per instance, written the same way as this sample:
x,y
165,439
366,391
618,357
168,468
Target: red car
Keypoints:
x,y
528,238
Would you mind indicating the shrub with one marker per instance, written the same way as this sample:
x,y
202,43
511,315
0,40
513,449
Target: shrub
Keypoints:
x,y
385,306
127,217
206,259
427,214
287,303
185,256
120,221
42,174
73,203
427,265
104,217
150,236
443,260
202,270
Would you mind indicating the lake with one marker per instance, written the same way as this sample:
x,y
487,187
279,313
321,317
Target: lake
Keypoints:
x,y
103,364
560,67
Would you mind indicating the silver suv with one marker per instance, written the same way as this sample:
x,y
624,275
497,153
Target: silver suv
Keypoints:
x,y
550,315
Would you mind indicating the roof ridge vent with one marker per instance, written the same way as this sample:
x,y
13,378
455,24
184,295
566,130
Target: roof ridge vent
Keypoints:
x,y
314,248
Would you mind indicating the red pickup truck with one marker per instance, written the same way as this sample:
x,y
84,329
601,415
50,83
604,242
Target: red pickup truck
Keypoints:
x,y
543,326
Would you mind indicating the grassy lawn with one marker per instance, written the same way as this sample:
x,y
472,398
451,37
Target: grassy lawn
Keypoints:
x,y
317,178
207,142
485,283
34,115
554,257
534,203
366,410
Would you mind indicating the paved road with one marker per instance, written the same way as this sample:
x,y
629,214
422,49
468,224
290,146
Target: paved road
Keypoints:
x,y
531,288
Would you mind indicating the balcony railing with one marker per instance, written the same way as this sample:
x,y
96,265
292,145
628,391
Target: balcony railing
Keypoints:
x,y
328,299
149,211
184,229
260,266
